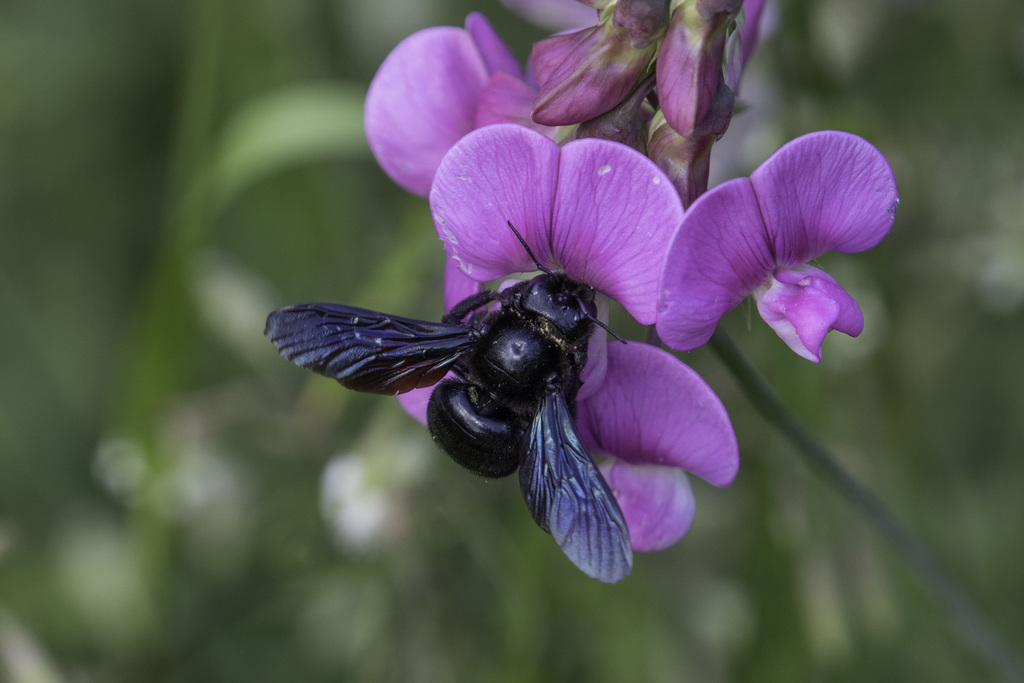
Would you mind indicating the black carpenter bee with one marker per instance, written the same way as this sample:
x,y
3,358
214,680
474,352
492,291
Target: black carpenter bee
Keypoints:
x,y
516,357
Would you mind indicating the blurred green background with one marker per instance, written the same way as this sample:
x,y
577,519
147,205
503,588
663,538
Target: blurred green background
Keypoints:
x,y
178,503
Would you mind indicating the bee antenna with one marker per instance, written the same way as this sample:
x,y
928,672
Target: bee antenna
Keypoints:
x,y
529,251
607,329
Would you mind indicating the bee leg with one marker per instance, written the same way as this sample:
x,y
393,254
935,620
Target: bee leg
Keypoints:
x,y
467,306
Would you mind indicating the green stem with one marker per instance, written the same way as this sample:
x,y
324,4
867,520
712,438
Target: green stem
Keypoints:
x,y
974,628
164,327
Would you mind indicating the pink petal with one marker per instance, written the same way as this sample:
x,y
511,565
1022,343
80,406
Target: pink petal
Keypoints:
x,y
657,502
421,101
495,53
652,409
549,53
494,175
614,214
646,20
740,48
753,10
803,304
596,75
597,353
826,191
457,285
507,99
719,255
415,403
687,75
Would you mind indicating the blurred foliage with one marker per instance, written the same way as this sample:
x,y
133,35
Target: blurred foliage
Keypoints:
x,y
170,172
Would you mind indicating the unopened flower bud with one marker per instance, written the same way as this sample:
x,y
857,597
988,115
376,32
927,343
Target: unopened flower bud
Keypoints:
x,y
741,43
686,161
644,19
707,9
718,116
586,73
690,61
624,123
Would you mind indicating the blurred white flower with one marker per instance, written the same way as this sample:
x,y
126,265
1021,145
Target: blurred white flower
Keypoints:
x,y
22,657
120,466
101,581
362,491
355,512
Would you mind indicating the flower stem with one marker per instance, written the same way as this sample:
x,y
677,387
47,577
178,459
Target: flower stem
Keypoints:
x,y
973,626
164,329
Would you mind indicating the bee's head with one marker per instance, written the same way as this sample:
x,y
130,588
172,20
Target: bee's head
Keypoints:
x,y
564,303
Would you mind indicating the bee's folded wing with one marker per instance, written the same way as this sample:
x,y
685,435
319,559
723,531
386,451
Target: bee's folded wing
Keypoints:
x,y
569,498
367,351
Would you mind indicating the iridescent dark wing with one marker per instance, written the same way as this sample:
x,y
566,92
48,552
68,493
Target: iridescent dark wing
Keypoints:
x,y
569,498
367,351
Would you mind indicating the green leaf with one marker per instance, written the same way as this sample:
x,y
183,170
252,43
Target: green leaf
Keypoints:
x,y
299,125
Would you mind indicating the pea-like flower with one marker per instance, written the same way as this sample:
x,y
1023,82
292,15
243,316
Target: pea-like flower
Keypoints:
x,y
434,87
827,191
704,50
699,47
602,214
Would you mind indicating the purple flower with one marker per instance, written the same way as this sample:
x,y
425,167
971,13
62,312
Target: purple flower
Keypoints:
x,y
594,209
435,86
827,191
656,419
697,95
690,64
652,419
603,214
741,45
586,73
